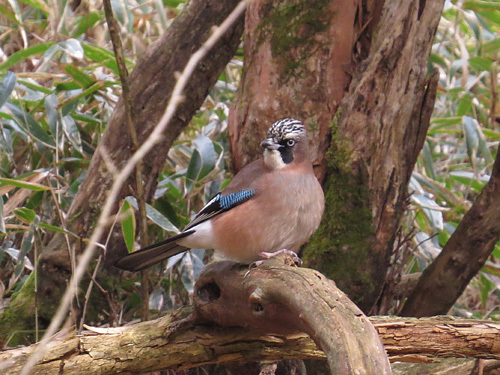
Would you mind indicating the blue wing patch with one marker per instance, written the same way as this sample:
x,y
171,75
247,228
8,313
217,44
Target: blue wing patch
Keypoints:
x,y
234,199
220,203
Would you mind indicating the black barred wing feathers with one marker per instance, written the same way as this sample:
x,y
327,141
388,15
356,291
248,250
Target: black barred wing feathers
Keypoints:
x,y
220,203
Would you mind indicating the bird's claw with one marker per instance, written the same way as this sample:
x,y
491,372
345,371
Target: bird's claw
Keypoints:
x,y
289,257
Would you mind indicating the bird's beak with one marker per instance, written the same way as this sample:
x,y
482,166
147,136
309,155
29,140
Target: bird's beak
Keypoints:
x,y
269,144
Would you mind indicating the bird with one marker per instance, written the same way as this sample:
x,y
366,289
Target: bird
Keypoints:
x,y
273,204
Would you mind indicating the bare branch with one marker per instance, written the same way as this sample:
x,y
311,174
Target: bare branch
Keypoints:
x,y
170,342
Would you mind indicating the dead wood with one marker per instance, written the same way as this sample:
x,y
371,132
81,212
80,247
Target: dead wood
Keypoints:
x,y
177,343
276,298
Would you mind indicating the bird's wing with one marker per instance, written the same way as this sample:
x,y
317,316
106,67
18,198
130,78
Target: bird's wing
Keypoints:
x,y
219,204
144,258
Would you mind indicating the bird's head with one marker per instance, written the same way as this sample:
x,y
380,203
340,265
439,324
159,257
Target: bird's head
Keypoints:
x,y
286,143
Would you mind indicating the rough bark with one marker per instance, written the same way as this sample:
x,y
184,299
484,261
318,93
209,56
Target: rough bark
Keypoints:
x,y
375,143
463,255
151,84
278,298
297,62
169,342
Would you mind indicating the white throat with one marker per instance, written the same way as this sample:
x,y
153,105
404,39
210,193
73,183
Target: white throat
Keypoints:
x,y
272,158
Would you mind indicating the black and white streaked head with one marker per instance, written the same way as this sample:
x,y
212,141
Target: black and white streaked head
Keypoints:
x,y
286,143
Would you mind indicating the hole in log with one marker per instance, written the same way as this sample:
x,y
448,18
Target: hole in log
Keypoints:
x,y
257,307
209,292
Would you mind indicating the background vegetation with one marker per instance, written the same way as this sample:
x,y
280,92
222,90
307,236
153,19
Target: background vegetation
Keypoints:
x,y
59,85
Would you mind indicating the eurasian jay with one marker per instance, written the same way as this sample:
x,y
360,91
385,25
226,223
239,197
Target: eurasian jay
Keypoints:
x,y
272,204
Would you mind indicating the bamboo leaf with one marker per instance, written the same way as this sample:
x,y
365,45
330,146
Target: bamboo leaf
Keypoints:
x,y
6,87
28,123
23,54
22,184
128,225
26,215
155,216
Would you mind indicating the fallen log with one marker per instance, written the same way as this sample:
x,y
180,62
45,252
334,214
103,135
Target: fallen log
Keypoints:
x,y
179,342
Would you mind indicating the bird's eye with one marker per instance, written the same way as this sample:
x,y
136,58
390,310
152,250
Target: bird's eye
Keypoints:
x,y
290,142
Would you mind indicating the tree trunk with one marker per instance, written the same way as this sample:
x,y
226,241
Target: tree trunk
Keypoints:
x,y
299,58
151,84
463,255
375,144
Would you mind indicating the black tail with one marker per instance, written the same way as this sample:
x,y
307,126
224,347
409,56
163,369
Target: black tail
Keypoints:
x,y
144,258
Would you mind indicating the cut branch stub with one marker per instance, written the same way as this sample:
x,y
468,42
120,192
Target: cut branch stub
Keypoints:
x,y
282,299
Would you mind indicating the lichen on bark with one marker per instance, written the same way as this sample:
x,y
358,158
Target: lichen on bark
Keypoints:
x,y
338,248
290,27
16,320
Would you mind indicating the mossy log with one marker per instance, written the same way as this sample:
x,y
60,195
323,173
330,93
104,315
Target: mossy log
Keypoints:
x,y
257,299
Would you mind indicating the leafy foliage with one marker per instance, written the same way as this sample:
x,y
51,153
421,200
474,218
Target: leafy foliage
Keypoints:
x,y
461,143
58,87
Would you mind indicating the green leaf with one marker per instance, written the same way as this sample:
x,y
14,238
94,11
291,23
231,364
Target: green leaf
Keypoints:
x,y
39,4
22,184
492,135
155,216
481,5
491,46
23,54
173,3
96,53
57,229
51,104
128,225
25,248
468,179
465,105
72,132
67,86
436,59
471,136
26,215
86,22
203,160
6,87
34,86
428,162
80,77
87,92
30,125
480,63
102,56
7,13
492,16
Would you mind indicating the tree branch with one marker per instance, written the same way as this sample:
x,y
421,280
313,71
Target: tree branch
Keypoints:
x,y
273,298
170,342
463,255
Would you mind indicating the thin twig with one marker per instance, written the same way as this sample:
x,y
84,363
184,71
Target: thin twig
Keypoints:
x,y
141,198
153,138
493,100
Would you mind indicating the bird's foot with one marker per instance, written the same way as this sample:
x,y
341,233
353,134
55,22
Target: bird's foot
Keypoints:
x,y
289,257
